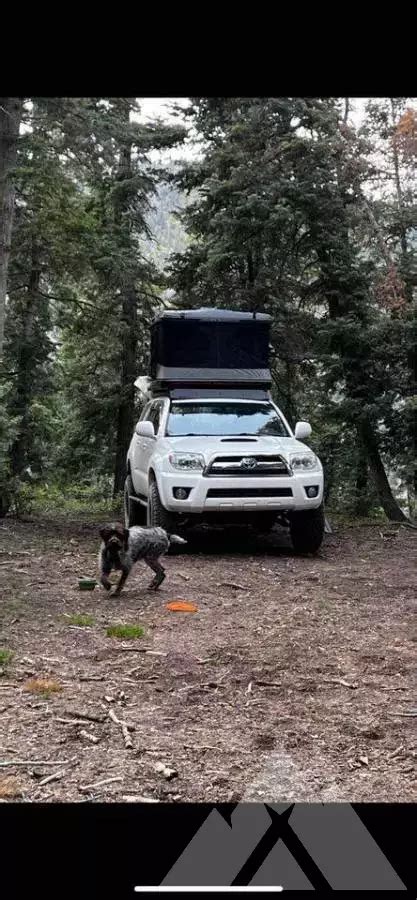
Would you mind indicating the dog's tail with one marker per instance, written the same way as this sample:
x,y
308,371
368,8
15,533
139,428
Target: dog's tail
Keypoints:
x,y
175,539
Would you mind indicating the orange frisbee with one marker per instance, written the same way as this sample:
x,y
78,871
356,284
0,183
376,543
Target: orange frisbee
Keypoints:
x,y
182,606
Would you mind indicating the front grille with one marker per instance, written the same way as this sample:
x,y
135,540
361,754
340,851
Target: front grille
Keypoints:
x,y
236,465
249,492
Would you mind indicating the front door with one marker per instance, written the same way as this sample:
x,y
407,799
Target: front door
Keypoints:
x,y
144,448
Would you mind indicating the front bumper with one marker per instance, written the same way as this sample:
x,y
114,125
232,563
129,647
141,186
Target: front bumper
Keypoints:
x,y
201,499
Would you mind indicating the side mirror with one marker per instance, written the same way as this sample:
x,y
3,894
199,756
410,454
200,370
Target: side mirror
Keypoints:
x,y
145,429
302,431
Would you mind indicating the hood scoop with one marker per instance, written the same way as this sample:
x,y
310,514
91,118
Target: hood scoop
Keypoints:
x,y
239,440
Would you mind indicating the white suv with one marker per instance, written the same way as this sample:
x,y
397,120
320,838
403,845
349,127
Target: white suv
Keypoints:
x,y
224,461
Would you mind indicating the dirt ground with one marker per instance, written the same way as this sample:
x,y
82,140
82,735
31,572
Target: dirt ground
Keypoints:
x,y
295,679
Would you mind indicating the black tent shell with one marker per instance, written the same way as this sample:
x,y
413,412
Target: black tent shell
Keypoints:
x,y
210,347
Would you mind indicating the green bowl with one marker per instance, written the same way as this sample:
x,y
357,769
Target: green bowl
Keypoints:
x,y
86,584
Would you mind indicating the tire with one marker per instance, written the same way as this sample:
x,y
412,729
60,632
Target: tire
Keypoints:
x,y
135,513
157,514
307,530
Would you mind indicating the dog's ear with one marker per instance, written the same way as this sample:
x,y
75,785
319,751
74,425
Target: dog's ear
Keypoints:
x,y
126,537
105,533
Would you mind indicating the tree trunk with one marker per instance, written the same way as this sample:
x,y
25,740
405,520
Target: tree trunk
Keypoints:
x,y
10,115
129,333
408,289
361,501
368,435
126,411
327,456
25,371
388,502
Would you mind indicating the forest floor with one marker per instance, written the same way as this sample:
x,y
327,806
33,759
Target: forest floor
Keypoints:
x,y
295,679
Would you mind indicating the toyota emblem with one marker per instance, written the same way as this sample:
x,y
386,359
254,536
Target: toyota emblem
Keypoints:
x,y
249,462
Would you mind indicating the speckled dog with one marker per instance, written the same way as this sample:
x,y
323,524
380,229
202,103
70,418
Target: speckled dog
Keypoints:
x,y
123,547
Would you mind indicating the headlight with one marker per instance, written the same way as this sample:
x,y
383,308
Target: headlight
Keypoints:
x,y
187,462
304,462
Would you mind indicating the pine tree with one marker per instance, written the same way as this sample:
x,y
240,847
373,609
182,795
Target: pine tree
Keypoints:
x,y
81,290
276,228
10,115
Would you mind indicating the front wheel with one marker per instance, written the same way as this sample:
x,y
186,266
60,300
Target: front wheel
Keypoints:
x,y
135,513
307,530
157,514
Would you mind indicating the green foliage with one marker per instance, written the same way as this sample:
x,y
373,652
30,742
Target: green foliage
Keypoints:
x,y
287,210
68,499
83,621
6,657
281,223
125,632
81,290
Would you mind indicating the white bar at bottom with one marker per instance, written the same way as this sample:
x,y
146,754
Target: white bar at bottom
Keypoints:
x,y
207,889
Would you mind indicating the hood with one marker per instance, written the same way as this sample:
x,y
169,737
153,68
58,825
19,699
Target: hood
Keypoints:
x,y
209,446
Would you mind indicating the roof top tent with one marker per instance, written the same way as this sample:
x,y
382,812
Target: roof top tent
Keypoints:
x,y
213,352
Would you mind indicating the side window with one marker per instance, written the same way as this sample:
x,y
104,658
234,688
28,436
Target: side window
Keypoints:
x,y
154,416
144,414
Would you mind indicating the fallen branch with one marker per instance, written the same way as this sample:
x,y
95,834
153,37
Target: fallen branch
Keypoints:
x,y
90,737
91,717
52,659
217,749
117,721
138,650
273,684
126,737
125,728
396,752
35,762
89,787
340,681
55,777
70,721
91,678
231,584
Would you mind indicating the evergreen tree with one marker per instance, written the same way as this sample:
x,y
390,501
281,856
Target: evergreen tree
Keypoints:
x,y
276,228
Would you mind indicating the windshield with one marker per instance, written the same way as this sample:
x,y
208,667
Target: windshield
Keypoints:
x,y
224,419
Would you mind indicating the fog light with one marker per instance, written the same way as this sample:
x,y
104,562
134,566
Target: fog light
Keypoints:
x,y
181,493
312,491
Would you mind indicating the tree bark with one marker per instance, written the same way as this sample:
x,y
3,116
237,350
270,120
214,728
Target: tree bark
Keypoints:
x,y
129,335
25,370
361,500
10,115
408,289
126,410
388,502
328,460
